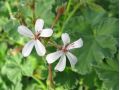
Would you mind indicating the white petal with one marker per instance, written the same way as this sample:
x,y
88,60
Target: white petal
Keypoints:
x,y
76,44
61,64
25,31
52,57
72,59
28,48
46,32
39,25
65,38
40,48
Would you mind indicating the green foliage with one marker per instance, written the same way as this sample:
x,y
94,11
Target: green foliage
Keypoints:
x,y
108,72
95,21
63,79
95,28
15,69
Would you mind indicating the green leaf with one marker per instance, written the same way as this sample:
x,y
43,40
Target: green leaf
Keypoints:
x,y
67,79
93,13
41,72
95,21
108,26
28,66
111,6
3,50
10,28
96,48
15,68
109,74
12,69
44,10
34,86
3,85
17,86
3,21
95,30
91,81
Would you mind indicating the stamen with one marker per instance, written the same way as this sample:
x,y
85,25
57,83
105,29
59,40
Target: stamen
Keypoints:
x,y
37,36
64,49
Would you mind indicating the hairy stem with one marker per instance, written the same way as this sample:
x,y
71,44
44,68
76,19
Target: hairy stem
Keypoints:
x,y
56,19
50,76
50,82
60,11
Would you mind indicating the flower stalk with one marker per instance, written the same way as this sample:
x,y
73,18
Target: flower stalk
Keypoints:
x,y
60,11
50,81
9,10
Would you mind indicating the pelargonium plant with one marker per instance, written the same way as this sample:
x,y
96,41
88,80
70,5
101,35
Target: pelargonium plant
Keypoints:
x,y
59,45
63,51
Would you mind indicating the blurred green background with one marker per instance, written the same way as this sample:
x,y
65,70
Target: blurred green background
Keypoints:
x,y
95,21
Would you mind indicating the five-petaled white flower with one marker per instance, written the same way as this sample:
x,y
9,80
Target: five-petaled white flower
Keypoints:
x,y
39,32
63,52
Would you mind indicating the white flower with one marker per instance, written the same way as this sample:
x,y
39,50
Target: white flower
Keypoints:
x,y
39,32
65,51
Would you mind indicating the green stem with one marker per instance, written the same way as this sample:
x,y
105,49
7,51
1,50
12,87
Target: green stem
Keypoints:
x,y
39,82
9,9
54,44
50,81
68,8
70,15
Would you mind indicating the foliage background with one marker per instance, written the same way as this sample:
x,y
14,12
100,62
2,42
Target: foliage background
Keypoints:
x,y
96,21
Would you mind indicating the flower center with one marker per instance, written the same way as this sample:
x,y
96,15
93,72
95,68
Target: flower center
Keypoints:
x,y
37,35
64,49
